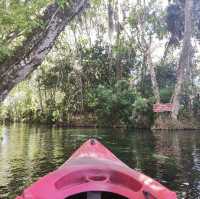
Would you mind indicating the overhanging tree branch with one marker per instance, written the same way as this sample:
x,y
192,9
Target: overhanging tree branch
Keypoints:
x,y
37,45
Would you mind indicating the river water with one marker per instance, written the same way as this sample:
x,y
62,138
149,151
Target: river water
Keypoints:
x,y
28,152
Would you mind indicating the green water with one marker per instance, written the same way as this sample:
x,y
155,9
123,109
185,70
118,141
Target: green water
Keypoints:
x,y
28,152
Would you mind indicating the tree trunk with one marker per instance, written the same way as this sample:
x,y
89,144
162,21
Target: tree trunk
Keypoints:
x,y
154,82
145,45
40,98
119,67
110,24
184,59
119,70
37,45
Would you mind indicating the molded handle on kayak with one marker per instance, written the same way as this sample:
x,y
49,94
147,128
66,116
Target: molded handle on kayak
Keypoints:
x,y
97,178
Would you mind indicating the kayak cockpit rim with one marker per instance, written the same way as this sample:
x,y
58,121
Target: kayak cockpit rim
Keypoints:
x,y
96,195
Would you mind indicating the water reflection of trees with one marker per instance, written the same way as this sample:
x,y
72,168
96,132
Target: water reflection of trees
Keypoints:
x,y
182,152
30,152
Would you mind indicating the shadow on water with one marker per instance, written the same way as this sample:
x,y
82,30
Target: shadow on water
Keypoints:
x,y
28,152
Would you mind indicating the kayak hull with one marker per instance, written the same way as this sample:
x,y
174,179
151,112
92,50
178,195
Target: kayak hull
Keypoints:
x,y
93,168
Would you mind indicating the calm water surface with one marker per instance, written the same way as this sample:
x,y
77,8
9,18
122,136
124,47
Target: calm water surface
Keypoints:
x,y
28,152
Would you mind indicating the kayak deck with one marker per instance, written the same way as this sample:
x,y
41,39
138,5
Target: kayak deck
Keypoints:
x,y
94,172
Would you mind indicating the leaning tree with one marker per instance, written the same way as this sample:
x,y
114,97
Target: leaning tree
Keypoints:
x,y
38,42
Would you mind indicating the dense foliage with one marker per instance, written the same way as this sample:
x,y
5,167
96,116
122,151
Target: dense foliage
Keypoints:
x,y
99,69
119,105
18,19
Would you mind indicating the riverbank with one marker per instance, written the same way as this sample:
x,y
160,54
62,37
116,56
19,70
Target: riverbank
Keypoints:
x,y
168,123
90,121
86,121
